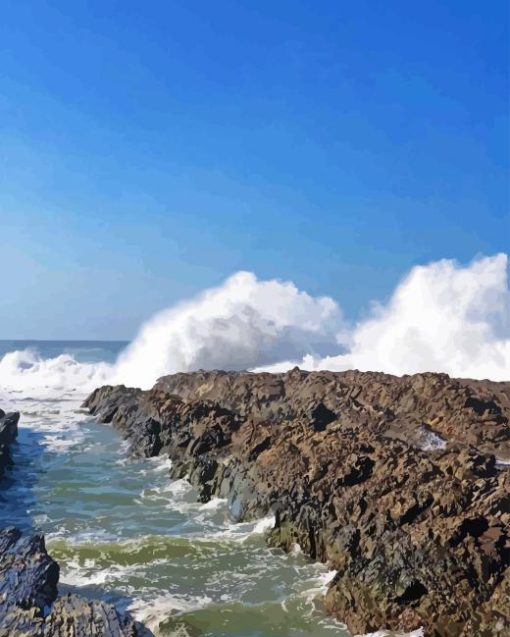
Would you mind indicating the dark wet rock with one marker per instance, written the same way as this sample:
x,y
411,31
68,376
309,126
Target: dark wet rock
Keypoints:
x,y
8,427
28,583
8,434
28,575
397,482
28,597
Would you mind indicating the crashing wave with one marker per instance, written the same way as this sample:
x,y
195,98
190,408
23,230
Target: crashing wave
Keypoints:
x,y
442,317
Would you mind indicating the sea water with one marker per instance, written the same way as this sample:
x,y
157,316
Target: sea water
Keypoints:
x,y
123,531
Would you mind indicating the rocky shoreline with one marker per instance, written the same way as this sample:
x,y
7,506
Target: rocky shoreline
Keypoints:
x,y
29,602
400,483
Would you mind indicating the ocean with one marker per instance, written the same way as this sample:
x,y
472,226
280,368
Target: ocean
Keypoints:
x,y
123,531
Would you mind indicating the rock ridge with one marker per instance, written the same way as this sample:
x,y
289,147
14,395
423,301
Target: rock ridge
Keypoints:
x,y
400,483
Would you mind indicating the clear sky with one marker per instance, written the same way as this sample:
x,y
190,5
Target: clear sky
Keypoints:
x,y
150,149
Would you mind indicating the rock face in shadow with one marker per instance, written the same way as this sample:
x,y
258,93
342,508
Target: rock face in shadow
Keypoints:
x,y
8,434
28,575
28,597
398,482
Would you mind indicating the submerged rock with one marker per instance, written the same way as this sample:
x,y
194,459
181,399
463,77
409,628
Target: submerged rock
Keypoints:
x,y
418,532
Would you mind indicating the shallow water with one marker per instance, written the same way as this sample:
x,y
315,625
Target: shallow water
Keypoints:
x,y
123,531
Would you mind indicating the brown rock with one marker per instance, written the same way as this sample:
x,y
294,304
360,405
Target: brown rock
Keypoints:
x,y
395,481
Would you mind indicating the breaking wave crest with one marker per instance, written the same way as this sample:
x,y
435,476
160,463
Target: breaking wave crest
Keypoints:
x,y
442,317
239,325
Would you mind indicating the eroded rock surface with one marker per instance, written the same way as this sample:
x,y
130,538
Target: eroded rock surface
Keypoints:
x,y
73,616
398,482
28,597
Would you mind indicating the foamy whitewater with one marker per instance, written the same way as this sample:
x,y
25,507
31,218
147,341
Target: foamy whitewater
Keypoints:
x,y
442,317
123,531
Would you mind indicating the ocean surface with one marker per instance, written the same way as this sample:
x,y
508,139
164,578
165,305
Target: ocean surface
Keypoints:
x,y
123,531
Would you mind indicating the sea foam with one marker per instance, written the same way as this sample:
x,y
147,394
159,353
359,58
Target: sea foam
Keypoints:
x,y
442,317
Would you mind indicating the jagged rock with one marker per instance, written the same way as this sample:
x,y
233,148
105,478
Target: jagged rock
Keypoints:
x,y
28,583
28,575
28,590
8,427
418,532
8,434
73,616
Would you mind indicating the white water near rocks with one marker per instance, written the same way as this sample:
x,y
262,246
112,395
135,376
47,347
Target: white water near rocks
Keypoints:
x,y
441,317
124,532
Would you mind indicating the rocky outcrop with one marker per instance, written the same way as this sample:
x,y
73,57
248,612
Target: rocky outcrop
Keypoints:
x,y
28,597
28,575
8,434
398,482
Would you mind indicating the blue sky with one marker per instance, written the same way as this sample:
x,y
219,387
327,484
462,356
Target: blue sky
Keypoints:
x,y
149,150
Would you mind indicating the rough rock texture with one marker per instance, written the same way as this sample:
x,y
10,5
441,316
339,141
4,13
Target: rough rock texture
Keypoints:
x,y
73,616
28,575
399,482
8,434
28,590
